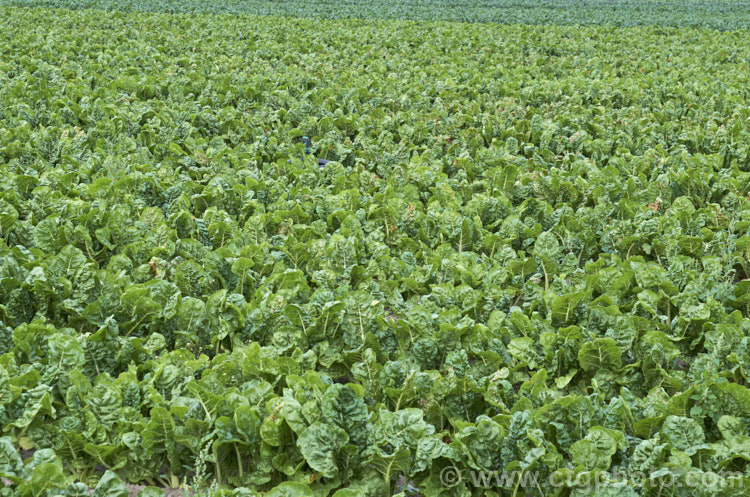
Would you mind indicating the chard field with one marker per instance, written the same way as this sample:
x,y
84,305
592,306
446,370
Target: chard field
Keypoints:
x,y
527,256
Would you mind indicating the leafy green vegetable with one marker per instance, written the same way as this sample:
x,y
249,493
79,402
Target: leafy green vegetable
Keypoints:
x,y
528,251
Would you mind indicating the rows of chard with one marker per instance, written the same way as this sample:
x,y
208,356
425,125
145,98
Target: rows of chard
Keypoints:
x,y
529,251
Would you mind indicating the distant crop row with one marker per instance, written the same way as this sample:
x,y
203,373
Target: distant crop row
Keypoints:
x,y
712,14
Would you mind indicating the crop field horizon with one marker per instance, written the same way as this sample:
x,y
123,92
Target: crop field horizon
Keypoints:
x,y
523,271
720,15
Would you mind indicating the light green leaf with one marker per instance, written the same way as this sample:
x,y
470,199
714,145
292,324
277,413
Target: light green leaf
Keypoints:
x,y
601,353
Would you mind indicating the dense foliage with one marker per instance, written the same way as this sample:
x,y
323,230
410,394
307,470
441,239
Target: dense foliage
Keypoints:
x,y
529,251
712,14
